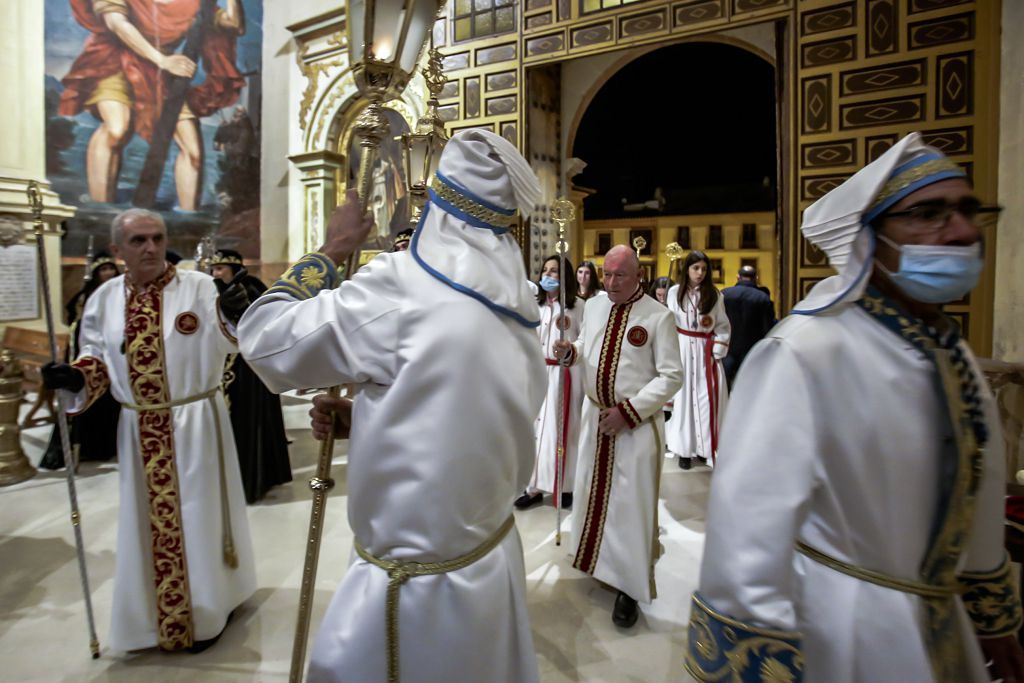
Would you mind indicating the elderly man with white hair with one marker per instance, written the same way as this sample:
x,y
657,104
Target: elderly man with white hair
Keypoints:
x,y
855,526
629,351
441,346
158,337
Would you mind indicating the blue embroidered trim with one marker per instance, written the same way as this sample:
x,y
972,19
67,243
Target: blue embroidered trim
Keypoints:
x,y
462,215
501,310
307,277
721,648
466,193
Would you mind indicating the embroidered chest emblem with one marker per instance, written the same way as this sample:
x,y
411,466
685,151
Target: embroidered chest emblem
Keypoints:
x,y
637,335
705,321
563,322
187,323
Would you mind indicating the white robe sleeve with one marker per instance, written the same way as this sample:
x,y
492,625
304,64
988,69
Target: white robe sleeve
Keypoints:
x,y
668,364
345,335
91,360
723,329
747,580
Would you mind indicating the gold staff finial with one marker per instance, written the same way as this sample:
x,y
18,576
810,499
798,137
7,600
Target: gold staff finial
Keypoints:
x,y
639,243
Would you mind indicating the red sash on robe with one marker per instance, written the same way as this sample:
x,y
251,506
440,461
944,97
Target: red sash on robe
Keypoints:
x,y
711,378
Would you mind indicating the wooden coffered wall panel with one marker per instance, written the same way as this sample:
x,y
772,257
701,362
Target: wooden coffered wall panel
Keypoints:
x,y
484,88
556,29
871,71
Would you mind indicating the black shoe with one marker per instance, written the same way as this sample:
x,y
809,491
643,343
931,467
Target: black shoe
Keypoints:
x,y
703,460
200,645
566,501
625,612
685,463
528,500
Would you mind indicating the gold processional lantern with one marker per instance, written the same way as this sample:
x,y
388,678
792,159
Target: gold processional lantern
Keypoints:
x,y
385,41
422,149
674,253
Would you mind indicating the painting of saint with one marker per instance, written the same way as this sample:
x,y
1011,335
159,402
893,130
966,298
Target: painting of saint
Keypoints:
x,y
155,103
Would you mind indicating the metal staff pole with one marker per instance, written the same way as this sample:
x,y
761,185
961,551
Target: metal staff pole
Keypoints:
x,y
371,127
35,198
562,212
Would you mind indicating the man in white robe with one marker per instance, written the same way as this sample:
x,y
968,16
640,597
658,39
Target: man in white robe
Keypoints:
x,y
440,343
158,337
629,351
855,526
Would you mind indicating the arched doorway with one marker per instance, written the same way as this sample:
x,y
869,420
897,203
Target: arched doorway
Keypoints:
x,y
681,145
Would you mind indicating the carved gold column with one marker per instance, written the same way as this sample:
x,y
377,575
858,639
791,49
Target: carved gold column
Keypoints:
x,y
14,466
320,173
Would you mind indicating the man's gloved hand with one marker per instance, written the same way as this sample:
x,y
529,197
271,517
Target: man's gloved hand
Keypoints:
x,y
234,297
62,376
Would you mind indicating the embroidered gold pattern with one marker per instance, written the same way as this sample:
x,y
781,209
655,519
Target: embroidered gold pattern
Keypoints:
x,y
220,259
945,646
144,353
911,176
96,378
468,206
725,649
307,277
992,602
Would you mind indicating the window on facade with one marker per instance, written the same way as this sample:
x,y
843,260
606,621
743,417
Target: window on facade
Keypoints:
x,y
717,273
481,18
749,239
715,237
587,6
683,236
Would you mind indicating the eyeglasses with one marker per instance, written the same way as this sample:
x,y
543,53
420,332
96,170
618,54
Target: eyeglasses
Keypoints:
x,y
933,216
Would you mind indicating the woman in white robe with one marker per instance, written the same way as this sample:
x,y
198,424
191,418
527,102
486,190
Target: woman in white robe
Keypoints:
x,y
564,399
704,333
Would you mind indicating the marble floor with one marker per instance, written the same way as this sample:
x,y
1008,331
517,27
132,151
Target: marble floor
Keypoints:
x,y
43,633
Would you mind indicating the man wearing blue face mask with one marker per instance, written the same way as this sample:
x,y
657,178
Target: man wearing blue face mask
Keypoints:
x,y
855,529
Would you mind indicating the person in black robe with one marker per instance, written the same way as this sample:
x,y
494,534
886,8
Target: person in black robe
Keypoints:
x,y
255,412
94,431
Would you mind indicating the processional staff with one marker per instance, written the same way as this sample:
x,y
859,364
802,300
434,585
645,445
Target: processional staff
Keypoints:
x,y
674,253
382,66
562,212
35,198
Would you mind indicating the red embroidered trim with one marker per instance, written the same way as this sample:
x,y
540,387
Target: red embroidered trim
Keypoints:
x,y
629,413
97,379
144,353
604,458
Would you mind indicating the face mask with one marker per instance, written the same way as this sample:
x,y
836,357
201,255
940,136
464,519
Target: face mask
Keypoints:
x,y
548,283
936,274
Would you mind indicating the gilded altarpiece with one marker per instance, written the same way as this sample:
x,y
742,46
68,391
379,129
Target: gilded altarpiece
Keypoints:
x,y
858,75
328,108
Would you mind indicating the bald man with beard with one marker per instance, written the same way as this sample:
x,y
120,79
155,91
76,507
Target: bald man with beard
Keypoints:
x,y
630,354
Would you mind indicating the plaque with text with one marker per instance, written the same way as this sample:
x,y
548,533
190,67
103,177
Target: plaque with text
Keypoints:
x,y
19,283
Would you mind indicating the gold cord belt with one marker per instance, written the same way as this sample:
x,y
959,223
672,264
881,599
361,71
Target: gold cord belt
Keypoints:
x,y
400,571
925,590
227,538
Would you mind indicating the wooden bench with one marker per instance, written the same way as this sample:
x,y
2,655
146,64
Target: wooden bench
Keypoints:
x,y
32,348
